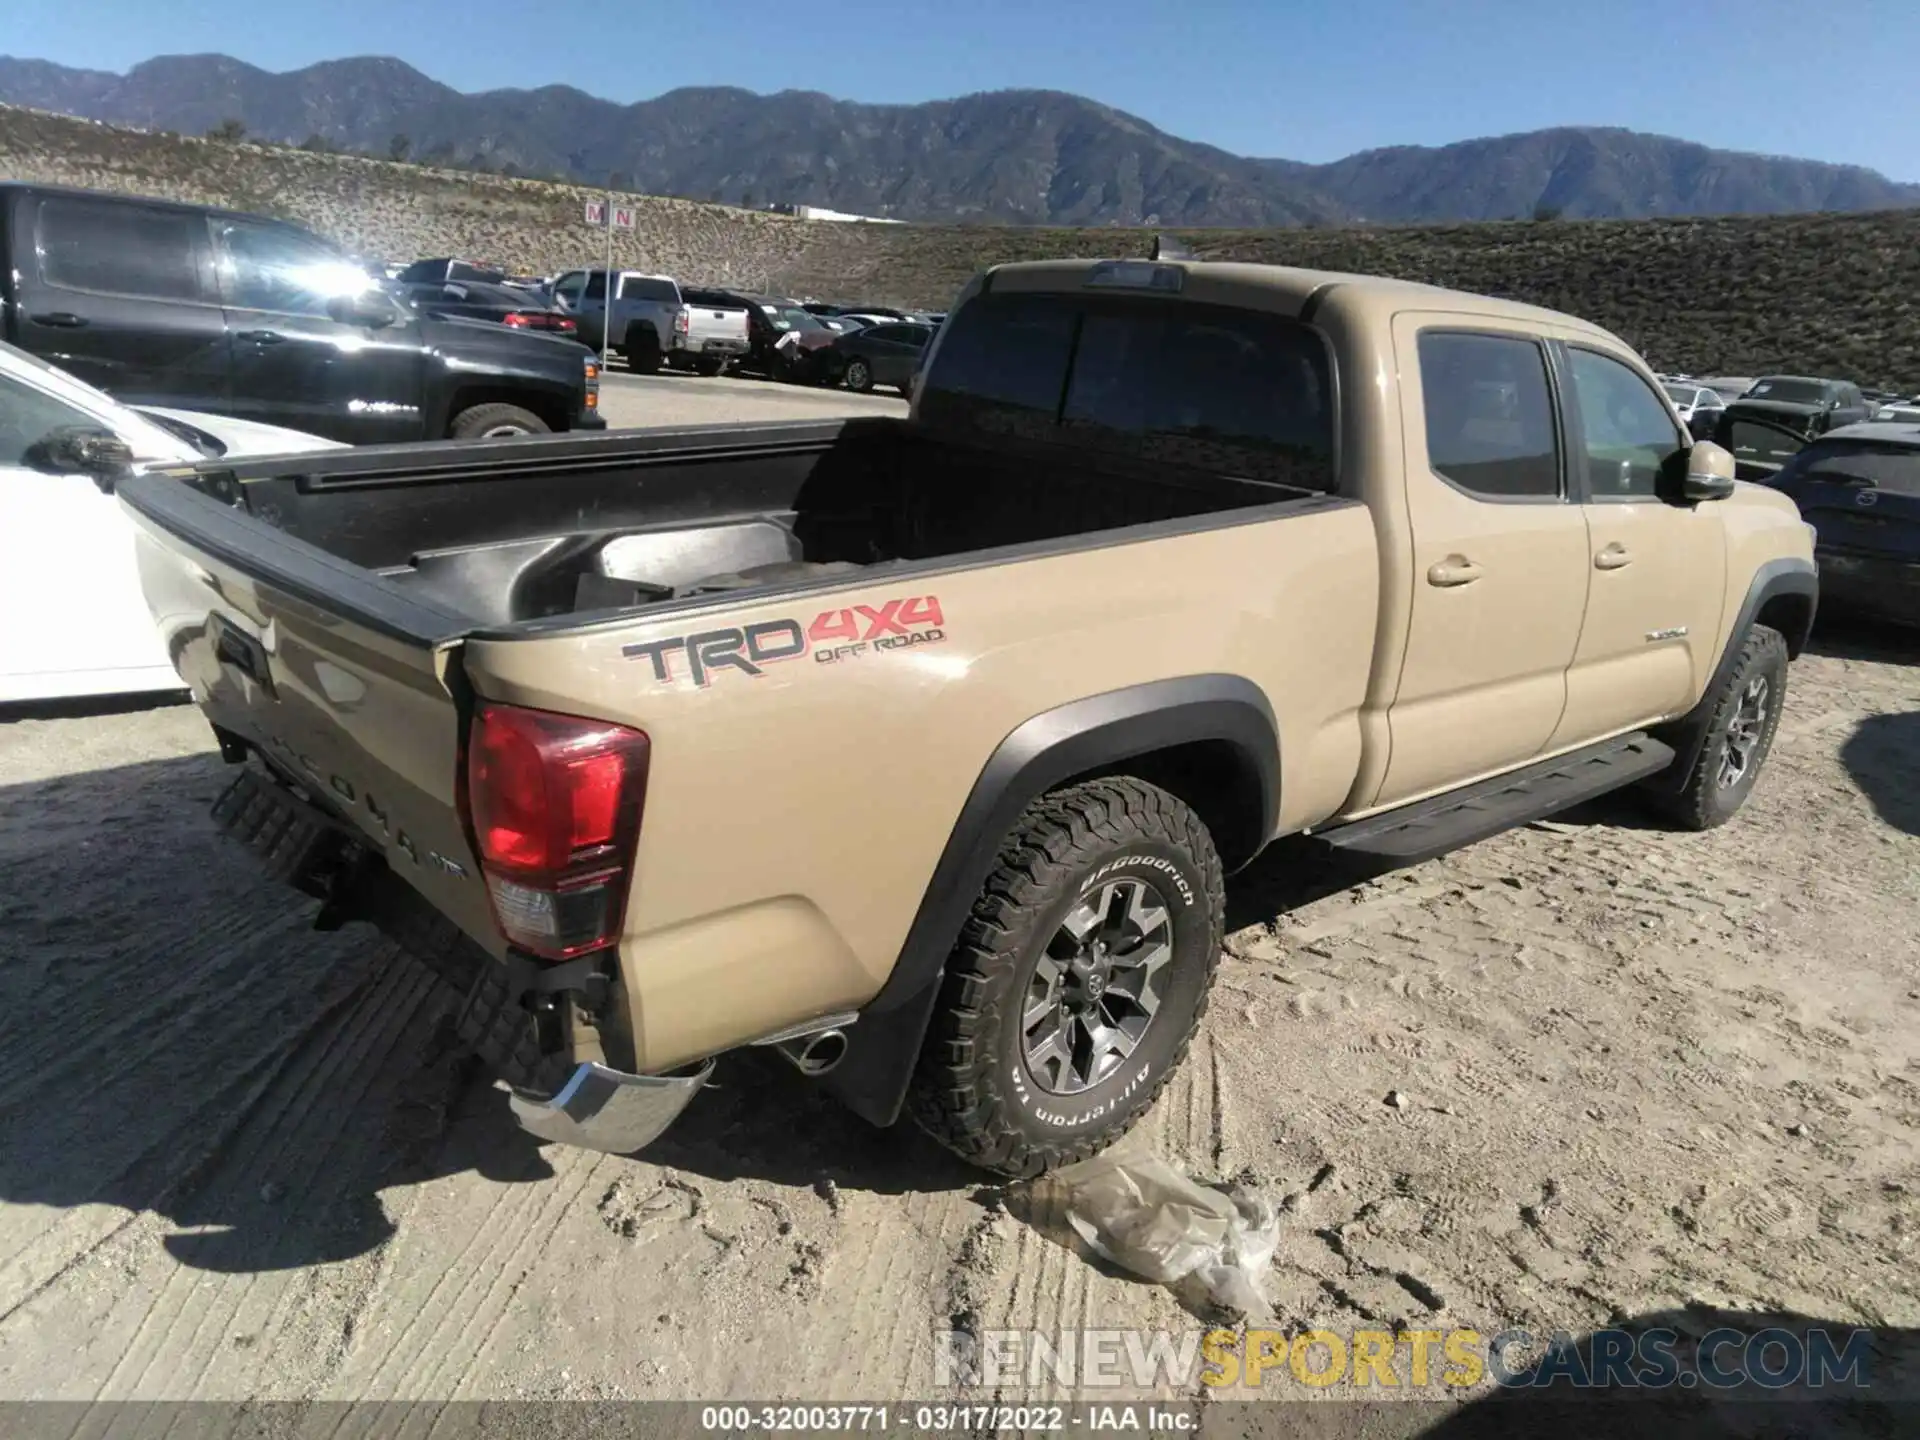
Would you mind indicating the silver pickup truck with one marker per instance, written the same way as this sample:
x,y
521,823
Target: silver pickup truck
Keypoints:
x,y
652,323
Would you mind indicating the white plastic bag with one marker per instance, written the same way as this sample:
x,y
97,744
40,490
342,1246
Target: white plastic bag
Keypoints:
x,y
1139,1212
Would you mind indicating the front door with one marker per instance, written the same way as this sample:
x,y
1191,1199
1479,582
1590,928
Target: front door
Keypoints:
x,y
297,366
121,294
1658,570
1499,557
72,618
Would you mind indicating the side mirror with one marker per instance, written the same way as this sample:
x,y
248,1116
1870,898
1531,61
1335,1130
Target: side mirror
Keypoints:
x,y
82,450
1702,471
369,308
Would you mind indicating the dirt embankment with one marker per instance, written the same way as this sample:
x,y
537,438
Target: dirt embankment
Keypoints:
x,y
1824,294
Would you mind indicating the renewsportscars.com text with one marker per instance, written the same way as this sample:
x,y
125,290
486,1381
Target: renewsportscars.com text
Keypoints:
x,y
1372,1360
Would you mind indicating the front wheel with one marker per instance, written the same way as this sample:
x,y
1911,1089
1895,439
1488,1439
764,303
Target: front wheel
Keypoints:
x,y
1746,713
859,376
496,422
1078,980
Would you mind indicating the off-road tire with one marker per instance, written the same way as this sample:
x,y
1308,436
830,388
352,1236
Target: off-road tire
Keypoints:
x,y
641,350
1702,802
859,376
496,420
972,1089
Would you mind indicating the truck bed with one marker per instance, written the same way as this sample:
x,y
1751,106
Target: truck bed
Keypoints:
x,y
528,535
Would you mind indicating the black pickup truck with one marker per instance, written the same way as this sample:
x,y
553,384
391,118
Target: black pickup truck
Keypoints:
x,y
201,309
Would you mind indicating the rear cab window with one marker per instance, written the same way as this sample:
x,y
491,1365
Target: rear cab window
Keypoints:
x,y
1869,464
1208,387
640,287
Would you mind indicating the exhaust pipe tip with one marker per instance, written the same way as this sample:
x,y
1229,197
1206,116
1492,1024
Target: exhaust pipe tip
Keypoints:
x,y
816,1054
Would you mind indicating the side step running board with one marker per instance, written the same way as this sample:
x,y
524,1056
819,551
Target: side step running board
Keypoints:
x,y
1434,826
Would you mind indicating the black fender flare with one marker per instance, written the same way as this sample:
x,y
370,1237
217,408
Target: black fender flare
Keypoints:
x,y
1101,732
1788,577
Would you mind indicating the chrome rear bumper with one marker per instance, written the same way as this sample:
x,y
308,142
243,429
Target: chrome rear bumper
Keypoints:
x,y
603,1109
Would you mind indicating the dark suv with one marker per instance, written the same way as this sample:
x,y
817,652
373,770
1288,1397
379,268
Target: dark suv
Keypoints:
x,y
165,304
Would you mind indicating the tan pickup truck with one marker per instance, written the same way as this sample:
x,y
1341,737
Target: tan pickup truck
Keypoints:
x,y
920,748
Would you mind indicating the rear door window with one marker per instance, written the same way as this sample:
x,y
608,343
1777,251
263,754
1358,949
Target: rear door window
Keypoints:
x,y
1206,387
1489,415
122,249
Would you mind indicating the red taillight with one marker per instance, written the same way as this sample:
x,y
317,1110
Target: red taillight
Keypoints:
x,y
683,322
561,322
517,320
554,802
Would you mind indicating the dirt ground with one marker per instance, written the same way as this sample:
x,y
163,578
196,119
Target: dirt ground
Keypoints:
x,y
1640,1072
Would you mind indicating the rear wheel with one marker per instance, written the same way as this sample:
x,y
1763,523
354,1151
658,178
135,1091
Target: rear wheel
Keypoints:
x,y
859,375
496,422
1746,713
641,350
1078,980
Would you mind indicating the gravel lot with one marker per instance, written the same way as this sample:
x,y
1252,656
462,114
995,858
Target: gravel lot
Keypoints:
x,y
1640,1072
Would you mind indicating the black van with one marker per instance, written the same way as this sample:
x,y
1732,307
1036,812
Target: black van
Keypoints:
x,y
165,304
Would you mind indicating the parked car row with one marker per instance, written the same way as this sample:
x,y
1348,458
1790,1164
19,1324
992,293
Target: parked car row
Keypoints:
x,y
161,303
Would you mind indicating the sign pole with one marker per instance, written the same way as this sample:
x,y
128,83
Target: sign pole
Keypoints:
x,y
606,315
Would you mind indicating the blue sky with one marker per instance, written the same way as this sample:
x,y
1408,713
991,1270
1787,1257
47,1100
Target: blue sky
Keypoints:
x,y
1305,79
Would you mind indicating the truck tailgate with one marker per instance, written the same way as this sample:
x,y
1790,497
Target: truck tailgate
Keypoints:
x,y
344,684
716,322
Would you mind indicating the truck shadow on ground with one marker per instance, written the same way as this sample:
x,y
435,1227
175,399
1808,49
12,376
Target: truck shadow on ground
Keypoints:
x,y
176,1039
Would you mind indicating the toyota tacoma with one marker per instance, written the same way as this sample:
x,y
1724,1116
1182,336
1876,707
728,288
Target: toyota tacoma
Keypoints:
x,y
920,748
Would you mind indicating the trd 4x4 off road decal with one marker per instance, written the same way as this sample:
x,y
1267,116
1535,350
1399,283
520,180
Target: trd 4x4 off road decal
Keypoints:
x,y
833,636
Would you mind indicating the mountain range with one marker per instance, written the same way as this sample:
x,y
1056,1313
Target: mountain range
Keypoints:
x,y
1034,157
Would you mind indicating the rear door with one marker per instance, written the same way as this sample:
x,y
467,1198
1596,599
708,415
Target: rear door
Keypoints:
x,y
1658,571
294,364
893,351
121,294
1499,554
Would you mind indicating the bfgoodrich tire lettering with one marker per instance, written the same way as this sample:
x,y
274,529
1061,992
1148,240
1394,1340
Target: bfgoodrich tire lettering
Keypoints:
x,y
985,1086
1746,712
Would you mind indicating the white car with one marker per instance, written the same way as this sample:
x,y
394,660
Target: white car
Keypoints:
x,y
72,618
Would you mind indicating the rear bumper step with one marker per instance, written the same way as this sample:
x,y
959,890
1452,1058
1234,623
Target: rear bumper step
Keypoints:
x,y
1432,827
586,1104
610,1110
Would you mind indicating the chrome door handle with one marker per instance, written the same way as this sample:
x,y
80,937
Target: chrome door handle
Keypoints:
x,y
1454,570
1613,557
261,337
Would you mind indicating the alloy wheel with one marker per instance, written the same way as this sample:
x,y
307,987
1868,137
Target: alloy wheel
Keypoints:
x,y
1097,986
1744,732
